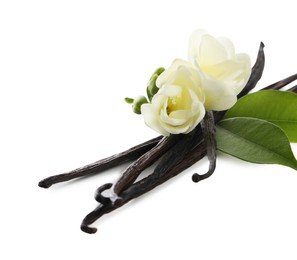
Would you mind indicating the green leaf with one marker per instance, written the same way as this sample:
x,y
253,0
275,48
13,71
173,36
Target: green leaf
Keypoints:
x,y
277,107
255,140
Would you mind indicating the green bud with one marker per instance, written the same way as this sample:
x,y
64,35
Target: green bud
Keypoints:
x,y
138,102
152,88
129,100
158,71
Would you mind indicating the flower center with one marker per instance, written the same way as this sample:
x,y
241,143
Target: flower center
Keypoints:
x,y
172,104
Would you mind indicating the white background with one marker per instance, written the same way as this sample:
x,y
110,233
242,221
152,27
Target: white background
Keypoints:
x,y
65,67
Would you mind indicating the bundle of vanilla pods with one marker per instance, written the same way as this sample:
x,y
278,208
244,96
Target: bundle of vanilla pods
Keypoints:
x,y
174,153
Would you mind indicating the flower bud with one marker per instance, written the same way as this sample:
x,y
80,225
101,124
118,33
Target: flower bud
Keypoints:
x,y
152,89
137,103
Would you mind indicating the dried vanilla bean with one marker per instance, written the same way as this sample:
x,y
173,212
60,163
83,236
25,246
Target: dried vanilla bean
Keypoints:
x,y
208,130
293,89
98,194
179,151
256,73
160,176
103,164
167,165
143,186
143,162
282,83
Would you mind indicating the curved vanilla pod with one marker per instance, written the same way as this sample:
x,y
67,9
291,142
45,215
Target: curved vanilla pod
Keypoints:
x,y
208,130
145,185
103,164
172,163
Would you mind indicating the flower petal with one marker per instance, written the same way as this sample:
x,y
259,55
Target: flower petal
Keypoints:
x,y
194,44
211,52
169,72
191,123
151,119
182,73
228,46
234,72
218,95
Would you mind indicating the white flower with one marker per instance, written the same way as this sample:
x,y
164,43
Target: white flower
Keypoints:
x,y
226,72
178,105
211,80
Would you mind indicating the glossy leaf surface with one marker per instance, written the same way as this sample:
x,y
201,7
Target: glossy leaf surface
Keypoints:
x,y
255,140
